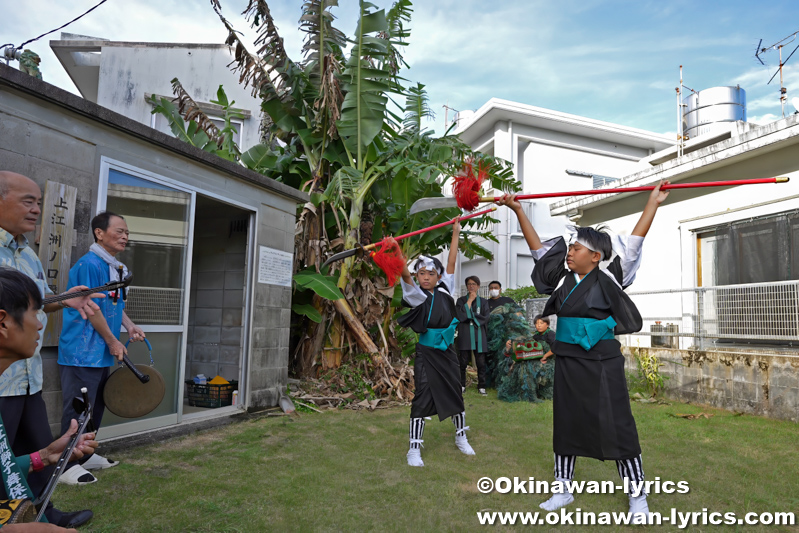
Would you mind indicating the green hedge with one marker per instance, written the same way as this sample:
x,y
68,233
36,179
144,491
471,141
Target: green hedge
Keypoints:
x,y
522,293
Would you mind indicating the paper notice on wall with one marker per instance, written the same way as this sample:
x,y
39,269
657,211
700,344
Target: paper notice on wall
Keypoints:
x,y
274,266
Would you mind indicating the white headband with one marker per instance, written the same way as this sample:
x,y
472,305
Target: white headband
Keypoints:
x,y
426,263
573,239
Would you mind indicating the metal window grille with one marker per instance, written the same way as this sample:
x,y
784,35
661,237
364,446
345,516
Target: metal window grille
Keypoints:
x,y
155,305
528,207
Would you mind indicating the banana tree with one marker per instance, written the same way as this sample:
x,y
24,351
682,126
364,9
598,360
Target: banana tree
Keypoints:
x,y
328,128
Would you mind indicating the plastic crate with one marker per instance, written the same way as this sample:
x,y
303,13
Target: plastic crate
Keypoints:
x,y
209,395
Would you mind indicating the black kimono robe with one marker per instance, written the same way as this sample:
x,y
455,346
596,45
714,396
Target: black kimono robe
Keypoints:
x,y
493,303
592,415
476,324
436,372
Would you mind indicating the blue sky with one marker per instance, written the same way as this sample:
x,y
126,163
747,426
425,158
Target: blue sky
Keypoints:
x,y
616,61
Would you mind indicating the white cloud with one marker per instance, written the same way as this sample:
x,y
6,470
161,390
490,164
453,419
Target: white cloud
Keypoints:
x,y
761,120
610,60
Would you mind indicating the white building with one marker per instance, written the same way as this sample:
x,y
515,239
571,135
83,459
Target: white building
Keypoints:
x,y
718,288
550,152
121,76
745,236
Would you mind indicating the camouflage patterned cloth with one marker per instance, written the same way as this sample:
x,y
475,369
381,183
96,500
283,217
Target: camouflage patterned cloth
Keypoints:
x,y
520,380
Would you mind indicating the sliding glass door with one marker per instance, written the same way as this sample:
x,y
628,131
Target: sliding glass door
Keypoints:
x,y
159,217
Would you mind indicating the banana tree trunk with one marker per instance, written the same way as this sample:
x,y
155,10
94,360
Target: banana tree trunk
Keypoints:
x,y
331,355
356,212
362,337
314,341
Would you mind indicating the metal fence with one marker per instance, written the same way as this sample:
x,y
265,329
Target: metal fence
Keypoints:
x,y
701,317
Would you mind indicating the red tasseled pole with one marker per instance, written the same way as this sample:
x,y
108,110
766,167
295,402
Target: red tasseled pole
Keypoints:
x,y
466,188
390,260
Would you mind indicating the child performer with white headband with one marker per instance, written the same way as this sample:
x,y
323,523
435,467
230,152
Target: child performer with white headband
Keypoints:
x,y
436,369
592,415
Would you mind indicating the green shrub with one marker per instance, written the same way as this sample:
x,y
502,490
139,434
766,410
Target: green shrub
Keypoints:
x,y
522,293
649,371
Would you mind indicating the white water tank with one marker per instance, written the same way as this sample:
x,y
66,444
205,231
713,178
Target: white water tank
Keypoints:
x,y
463,117
709,110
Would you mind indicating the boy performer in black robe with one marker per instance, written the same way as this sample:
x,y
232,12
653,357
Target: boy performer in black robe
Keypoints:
x,y
436,368
592,415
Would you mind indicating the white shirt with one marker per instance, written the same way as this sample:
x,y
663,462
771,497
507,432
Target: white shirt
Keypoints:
x,y
626,247
415,296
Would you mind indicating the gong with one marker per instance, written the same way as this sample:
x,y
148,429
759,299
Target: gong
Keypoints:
x,y
133,391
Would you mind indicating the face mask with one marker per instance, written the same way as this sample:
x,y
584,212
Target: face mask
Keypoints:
x,y
493,293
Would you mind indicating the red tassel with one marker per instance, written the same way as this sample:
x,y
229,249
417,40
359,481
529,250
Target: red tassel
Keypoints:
x,y
390,260
466,188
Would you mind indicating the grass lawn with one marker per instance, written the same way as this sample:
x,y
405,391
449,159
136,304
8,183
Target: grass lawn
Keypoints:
x,y
346,471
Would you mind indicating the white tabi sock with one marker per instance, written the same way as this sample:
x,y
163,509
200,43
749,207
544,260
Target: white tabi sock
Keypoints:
x,y
460,434
558,500
639,509
415,457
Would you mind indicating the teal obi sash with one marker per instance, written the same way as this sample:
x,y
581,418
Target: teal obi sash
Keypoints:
x,y
438,338
585,332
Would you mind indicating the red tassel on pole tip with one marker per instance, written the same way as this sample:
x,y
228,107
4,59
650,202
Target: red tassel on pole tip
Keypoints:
x,y
390,260
466,188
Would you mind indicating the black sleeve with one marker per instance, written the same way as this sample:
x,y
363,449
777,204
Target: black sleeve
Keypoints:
x,y
416,318
549,338
551,268
624,311
615,268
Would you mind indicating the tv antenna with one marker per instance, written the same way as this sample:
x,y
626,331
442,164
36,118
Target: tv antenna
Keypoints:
x,y
681,137
778,46
447,109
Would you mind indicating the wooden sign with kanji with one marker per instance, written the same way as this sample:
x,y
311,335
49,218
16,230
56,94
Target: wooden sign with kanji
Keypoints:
x,y
55,246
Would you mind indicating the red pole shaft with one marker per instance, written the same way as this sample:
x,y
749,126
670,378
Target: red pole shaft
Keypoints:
x,y
641,189
431,228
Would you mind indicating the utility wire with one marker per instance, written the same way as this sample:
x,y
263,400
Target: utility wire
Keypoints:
x,y
60,27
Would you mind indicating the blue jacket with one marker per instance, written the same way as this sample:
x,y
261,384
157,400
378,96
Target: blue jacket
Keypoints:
x,y
80,344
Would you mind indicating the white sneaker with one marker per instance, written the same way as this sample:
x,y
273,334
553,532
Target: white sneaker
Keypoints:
x,y
463,389
415,457
98,462
463,445
482,391
77,475
639,509
557,501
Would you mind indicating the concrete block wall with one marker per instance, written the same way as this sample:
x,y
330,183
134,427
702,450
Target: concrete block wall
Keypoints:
x,y
756,382
216,300
271,315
